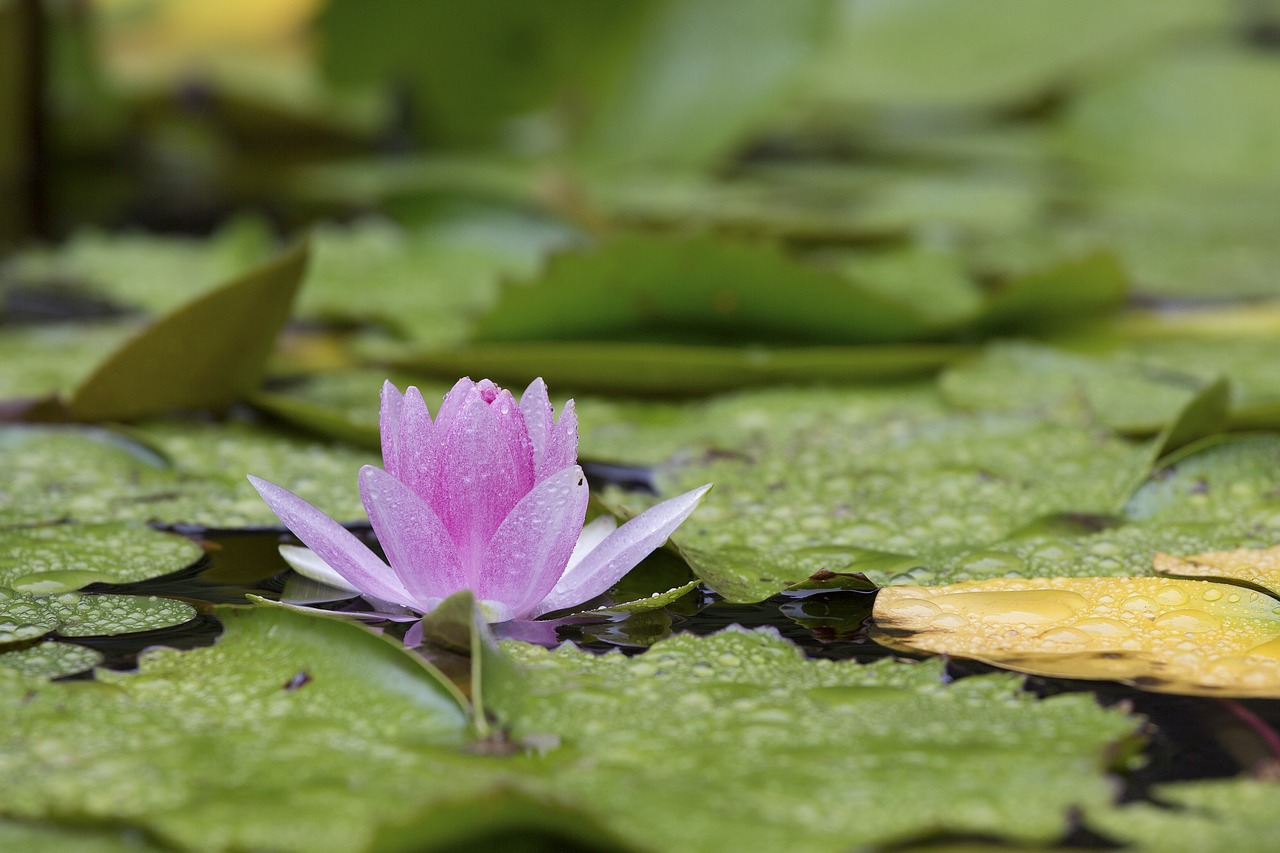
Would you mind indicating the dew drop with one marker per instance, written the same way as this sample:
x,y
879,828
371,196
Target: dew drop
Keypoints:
x,y
1100,626
1212,594
1189,621
1171,596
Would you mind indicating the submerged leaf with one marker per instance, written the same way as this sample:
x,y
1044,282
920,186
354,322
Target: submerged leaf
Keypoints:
x,y
1161,634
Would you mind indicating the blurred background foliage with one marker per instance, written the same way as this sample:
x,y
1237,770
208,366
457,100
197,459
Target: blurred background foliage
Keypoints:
x,y
859,174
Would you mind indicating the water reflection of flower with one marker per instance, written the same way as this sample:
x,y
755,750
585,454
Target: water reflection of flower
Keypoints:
x,y
487,497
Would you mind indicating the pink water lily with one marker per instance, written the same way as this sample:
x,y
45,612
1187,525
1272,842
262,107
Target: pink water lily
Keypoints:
x,y
488,497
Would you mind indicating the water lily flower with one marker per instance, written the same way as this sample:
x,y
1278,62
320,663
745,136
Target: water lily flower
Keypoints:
x,y
487,497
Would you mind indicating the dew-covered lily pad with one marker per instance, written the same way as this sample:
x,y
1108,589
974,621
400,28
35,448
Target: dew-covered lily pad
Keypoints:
x,y
93,553
1254,566
720,721
199,748
806,482
1191,817
51,659
171,473
1163,634
24,616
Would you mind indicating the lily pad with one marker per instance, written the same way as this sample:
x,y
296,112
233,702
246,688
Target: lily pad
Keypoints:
x,y
647,288
721,720
97,553
982,53
423,284
1189,817
75,615
1127,396
94,475
673,369
1257,567
51,659
816,482
1219,479
205,354
51,359
152,273
1222,134
1161,634
198,745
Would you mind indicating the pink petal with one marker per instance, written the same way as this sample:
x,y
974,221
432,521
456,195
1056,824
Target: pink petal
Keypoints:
x,y
453,401
333,543
420,549
414,443
539,417
389,424
562,441
620,552
529,551
482,466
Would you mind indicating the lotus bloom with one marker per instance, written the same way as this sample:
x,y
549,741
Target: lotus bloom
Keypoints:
x,y
488,497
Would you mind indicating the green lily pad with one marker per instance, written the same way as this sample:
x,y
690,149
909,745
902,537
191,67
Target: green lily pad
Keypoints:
x,y
144,271
26,616
200,747
1130,397
982,53
424,284
97,553
95,476
637,288
47,838
107,615
1188,817
656,368
817,481
44,360
1219,479
1223,133
722,720
51,660
205,354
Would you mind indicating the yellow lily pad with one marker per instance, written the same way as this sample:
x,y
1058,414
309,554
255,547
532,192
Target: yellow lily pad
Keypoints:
x,y
1168,635
1258,567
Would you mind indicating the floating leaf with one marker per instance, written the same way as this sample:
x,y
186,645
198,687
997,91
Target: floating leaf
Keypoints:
x,y
51,660
722,721
48,359
97,553
1128,396
1257,567
200,747
76,615
835,480
136,270
976,53
204,355
1223,133
96,475
423,283
1219,479
1065,293
654,368
1190,817
1162,634
638,288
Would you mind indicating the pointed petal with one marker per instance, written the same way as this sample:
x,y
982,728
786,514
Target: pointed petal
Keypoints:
x,y
562,442
333,543
619,553
531,548
413,637
416,543
389,424
415,443
307,563
482,467
592,535
453,401
539,417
